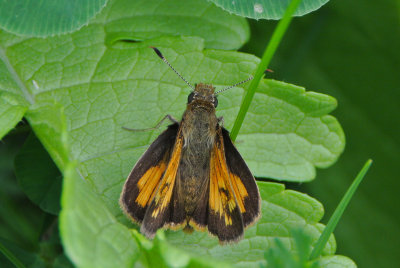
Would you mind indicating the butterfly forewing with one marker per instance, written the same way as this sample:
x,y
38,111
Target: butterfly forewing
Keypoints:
x,y
143,181
158,213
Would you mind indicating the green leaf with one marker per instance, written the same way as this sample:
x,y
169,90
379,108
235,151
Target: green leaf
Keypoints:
x,y
266,9
280,256
49,123
13,103
146,19
297,134
46,18
160,253
21,221
91,235
282,211
336,261
38,176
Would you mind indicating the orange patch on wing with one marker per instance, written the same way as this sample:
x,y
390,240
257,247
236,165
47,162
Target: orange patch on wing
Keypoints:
x,y
164,192
226,189
148,183
222,197
240,191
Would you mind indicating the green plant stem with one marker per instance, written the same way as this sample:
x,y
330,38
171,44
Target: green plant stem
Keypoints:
x,y
330,227
265,60
11,257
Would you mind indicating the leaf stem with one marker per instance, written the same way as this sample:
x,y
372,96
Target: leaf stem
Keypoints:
x,y
330,227
265,60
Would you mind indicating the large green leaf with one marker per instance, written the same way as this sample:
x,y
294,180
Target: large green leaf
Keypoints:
x,y
80,89
295,131
267,9
48,17
288,133
145,19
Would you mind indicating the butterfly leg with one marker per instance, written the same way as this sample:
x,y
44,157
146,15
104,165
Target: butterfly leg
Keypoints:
x,y
170,117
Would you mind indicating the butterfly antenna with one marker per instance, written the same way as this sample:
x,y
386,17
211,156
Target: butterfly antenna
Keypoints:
x,y
158,52
235,85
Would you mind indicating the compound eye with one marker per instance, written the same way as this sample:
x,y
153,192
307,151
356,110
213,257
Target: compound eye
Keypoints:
x,y
190,97
215,102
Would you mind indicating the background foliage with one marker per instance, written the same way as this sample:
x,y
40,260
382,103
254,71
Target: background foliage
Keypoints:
x,y
47,17
349,50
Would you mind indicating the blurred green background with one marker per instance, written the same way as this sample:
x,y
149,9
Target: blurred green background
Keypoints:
x,y
351,51
347,49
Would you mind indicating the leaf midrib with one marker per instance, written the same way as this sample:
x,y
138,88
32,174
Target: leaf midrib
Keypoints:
x,y
28,96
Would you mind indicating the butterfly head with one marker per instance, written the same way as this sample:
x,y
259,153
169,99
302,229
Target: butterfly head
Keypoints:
x,y
203,95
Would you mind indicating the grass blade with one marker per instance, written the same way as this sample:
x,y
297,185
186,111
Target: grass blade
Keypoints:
x,y
11,257
330,227
265,60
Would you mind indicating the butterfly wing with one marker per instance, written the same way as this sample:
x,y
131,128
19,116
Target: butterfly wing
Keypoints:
x,y
143,181
243,182
224,218
234,200
159,211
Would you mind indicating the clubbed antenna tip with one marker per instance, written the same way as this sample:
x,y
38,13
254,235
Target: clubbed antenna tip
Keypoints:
x,y
158,52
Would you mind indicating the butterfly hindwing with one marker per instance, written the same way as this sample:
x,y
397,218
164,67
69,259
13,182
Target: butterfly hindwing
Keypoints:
x,y
243,182
224,218
145,177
